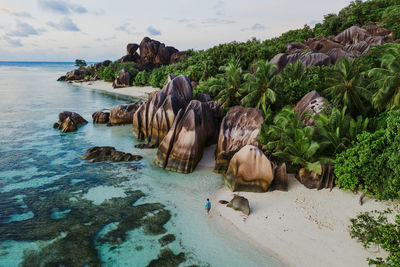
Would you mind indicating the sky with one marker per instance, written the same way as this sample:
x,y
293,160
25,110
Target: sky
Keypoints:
x,y
95,30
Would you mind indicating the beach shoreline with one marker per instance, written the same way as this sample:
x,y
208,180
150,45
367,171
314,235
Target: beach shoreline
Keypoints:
x,y
301,227
140,92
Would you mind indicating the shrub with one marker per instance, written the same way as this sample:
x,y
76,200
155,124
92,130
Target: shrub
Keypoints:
x,y
374,227
372,165
142,78
111,72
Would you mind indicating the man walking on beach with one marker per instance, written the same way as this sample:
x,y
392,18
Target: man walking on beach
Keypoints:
x,y
208,207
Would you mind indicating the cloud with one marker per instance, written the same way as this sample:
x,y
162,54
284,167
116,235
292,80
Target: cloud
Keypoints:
x,y
214,21
12,42
153,31
66,24
20,14
255,27
61,7
24,29
98,12
127,28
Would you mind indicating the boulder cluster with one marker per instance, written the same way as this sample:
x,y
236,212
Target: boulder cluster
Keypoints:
x,y
69,121
108,153
324,51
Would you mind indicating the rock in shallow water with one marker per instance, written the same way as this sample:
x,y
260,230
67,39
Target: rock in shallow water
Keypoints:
x,y
69,121
249,170
239,127
101,117
108,153
123,114
240,203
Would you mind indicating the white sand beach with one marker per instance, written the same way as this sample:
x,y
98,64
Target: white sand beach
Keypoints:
x,y
304,227
141,92
301,227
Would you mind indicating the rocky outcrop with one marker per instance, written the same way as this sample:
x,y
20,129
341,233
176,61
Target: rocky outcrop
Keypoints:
x,y
249,170
193,129
202,97
156,52
108,153
175,57
123,114
312,180
153,119
240,203
312,103
105,63
69,121
75,75
132,48
349,43
101,117
240,127
130,58
122,80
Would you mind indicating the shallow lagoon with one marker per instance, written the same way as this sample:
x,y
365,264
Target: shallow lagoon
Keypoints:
x,y
57,208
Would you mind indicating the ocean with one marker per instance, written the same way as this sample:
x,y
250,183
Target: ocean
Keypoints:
x,y
57,209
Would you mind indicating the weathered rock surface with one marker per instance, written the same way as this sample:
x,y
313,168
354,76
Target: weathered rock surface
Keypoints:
x,y
312,103
240,127
108,153
75,75
249,170
313,180
132,48
193,129
101,117
281,179
123,114
69,121
105,63
156,52
122,80
240,203
129,58
153,119
175,57
349,43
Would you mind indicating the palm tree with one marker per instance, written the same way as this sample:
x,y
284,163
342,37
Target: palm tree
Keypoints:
x,y
261,86
228,85
345,87
387,81
337,131
288,139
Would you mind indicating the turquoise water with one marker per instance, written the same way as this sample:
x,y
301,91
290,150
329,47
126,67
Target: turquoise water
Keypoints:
x,y
56,208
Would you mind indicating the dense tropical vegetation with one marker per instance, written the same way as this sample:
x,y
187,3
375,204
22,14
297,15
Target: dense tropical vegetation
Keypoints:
x,y
357,133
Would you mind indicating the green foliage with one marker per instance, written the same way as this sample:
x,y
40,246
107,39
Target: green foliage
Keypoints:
x,y
374,228
229,85
142,78
391,20
346,89
80,62
387,80
261,87
111,72
372,165
288,139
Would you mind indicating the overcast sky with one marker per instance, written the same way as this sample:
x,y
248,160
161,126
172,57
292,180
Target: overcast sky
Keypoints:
x,y
63,30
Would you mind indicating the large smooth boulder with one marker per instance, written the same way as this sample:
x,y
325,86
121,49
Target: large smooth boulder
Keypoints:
x,y
352,35
75,75
153,120
249,170
240,203
108,153
307,59
376,30
322,44
123,114
122,80
105,63
240,127
312,103
358,48
130,58
69,121
193,129
101,117
155,52
175,57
